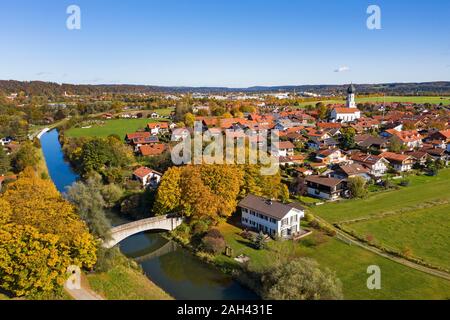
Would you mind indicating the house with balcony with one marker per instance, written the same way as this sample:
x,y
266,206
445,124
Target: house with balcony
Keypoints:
x,y
378,166
400,162
325,187
271,217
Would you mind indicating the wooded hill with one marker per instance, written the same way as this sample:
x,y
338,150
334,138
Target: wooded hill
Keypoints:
x,y
55,89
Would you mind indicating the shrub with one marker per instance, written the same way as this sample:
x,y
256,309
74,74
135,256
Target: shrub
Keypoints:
x,y
309,217
213,244
405,182
260,241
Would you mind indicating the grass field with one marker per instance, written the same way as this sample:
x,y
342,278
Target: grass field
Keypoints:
x,y
426,233
117,126
422,189
123,283
404,99
414,220
350,264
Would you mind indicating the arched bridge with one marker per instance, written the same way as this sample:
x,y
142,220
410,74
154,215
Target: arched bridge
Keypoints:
x,y
167,223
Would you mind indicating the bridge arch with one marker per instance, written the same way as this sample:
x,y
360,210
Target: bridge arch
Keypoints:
x,y
120,233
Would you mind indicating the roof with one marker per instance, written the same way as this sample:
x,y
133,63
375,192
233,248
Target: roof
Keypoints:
x,y
4,178
354,169
160,125
346,110
285,145
406,136
351,89
144,171
270,208
152,149
325,181
391,156
366,159
143,134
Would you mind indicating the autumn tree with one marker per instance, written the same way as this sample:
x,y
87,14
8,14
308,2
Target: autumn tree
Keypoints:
x,y
40,236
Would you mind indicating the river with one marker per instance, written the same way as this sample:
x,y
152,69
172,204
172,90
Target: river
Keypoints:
x,y
171,267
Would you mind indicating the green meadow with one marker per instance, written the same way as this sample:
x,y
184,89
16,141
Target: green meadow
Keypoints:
x,y
414,220
423,191
350,264
116,126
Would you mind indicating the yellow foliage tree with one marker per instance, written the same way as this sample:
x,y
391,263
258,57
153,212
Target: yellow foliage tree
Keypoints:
x,y
40,236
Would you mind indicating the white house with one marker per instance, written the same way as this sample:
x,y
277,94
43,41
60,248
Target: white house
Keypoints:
x,y
400,162
285,148
147,177
271,217
378,166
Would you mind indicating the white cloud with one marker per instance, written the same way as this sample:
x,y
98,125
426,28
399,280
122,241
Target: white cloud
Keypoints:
x,y
342,69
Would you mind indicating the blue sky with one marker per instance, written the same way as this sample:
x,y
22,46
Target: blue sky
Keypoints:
x,y
235,43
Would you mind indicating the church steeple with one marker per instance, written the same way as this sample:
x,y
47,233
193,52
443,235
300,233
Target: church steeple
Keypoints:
x,y
351,91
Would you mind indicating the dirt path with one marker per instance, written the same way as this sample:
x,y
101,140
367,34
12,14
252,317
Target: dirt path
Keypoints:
x,y
84,293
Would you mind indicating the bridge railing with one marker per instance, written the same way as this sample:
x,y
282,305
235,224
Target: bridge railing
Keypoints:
x,y
138,223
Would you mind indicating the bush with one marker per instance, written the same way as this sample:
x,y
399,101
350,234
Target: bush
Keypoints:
x,y
200,227
405,182
213,244
309,217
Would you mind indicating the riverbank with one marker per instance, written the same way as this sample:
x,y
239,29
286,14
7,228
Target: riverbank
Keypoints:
x,y
126,283
120,281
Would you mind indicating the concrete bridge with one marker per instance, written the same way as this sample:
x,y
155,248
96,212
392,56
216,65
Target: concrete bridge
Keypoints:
x,y
165,223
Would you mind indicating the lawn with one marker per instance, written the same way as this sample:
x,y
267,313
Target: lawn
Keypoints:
x,y
422,189
349,262
424,233
404,99
117,126
122,283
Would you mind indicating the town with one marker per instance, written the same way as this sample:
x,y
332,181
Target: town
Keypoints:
x,y
330,151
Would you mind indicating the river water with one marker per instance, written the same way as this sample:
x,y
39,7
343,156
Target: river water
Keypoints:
x,y
171,267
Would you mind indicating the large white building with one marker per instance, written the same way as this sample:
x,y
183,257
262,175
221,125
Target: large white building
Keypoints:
x,y
271,217
350,113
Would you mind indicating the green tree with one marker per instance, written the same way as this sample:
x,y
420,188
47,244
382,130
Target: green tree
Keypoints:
x,y
90,204
348,138
259,241
27,156
358,187
5,162
300,279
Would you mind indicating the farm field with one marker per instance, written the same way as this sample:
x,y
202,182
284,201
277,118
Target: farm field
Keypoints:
x,y
414,99
117,126
349,262
425,233
413,220
423,191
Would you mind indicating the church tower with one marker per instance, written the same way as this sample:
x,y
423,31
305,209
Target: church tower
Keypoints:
x,y
351,97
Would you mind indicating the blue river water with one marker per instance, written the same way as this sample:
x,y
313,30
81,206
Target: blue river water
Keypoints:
x,y
175,269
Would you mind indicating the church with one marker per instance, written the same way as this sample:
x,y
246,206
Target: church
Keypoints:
x,y
350,113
